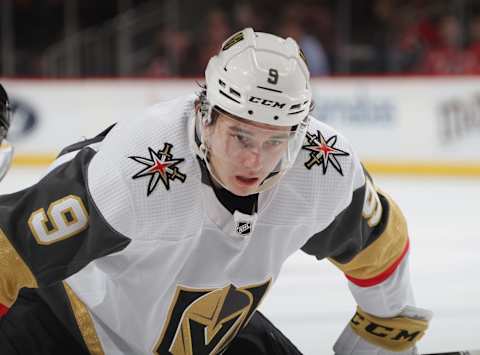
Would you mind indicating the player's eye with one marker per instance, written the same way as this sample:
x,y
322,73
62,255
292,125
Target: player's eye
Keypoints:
x,y
242,139
274,142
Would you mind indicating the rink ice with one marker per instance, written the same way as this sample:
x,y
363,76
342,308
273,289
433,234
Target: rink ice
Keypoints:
x,y
311,303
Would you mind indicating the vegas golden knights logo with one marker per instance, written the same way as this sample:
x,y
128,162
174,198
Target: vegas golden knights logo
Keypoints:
x,y
202,322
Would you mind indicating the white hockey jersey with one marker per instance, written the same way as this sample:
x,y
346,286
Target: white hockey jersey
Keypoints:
x,y
149,258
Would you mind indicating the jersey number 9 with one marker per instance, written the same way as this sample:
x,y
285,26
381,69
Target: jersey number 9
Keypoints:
x,y
64,218
372,207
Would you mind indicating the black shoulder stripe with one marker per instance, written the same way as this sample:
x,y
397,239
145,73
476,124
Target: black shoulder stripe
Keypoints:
x,y
348,234
41,223
82,144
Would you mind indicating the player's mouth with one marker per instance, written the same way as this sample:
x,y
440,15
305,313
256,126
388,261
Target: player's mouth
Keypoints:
x,y
246,181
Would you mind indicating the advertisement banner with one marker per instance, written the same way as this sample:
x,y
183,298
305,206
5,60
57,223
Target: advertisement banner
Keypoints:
x,y
402,125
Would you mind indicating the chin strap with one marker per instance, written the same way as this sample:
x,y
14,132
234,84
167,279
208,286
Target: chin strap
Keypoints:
x,y
199,147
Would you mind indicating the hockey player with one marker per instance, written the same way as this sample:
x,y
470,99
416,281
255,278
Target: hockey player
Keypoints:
x,y
163,234
6,150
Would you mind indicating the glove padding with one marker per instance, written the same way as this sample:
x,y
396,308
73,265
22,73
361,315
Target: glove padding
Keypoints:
x,y
370,335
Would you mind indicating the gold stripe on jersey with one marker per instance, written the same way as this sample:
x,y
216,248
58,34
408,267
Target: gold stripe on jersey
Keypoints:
x,y
14,273
84,322
384,251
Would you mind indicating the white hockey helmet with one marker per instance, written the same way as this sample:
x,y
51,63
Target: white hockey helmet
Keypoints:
x,y
262,79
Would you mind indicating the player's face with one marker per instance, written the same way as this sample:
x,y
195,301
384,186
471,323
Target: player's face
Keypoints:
x,y
242,154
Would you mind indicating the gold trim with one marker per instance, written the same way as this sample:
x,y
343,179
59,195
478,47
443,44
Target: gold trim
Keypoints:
x,y
84,322
206,310
15,274
424,168
377,167
384,251
33,159
394,334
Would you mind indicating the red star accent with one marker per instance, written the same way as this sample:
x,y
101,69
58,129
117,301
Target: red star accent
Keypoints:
x,y
323,152
159,167
325,149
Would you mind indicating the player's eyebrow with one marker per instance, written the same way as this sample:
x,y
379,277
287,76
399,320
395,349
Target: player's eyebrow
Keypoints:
x,y
237,129
284,135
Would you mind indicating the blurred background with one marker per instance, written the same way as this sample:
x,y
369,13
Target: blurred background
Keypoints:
x,y
162,38
399,78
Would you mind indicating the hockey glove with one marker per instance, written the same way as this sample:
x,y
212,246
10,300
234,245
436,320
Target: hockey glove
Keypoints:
x,y
370,335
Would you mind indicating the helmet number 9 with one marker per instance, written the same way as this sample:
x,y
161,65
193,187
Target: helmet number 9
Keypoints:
x,y
272,76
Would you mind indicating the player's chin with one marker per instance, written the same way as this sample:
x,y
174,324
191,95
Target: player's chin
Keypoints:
x,y
243,186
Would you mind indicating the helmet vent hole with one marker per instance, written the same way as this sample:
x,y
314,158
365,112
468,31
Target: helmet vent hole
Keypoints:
x,y
294,113
294,107
250,112
228,96
235,92
275,118
221,83
269,89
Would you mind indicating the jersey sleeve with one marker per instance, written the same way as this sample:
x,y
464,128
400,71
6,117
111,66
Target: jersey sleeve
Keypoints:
x,y
52,229
368,241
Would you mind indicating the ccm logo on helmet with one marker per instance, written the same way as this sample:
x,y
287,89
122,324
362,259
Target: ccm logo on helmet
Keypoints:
x,y
265,102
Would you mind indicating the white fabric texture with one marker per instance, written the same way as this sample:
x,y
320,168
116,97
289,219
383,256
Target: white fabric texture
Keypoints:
x,y
388,298
184,239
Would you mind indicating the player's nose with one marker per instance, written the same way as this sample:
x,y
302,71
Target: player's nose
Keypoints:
x,y
252,159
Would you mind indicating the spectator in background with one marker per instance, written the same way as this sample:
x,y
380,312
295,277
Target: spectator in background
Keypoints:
x,y
412,32
474,42
383,20
216,29
449,57
172,53
291,26
245,15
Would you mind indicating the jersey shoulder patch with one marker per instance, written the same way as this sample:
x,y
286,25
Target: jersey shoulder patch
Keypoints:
x,y
145,178
325,148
